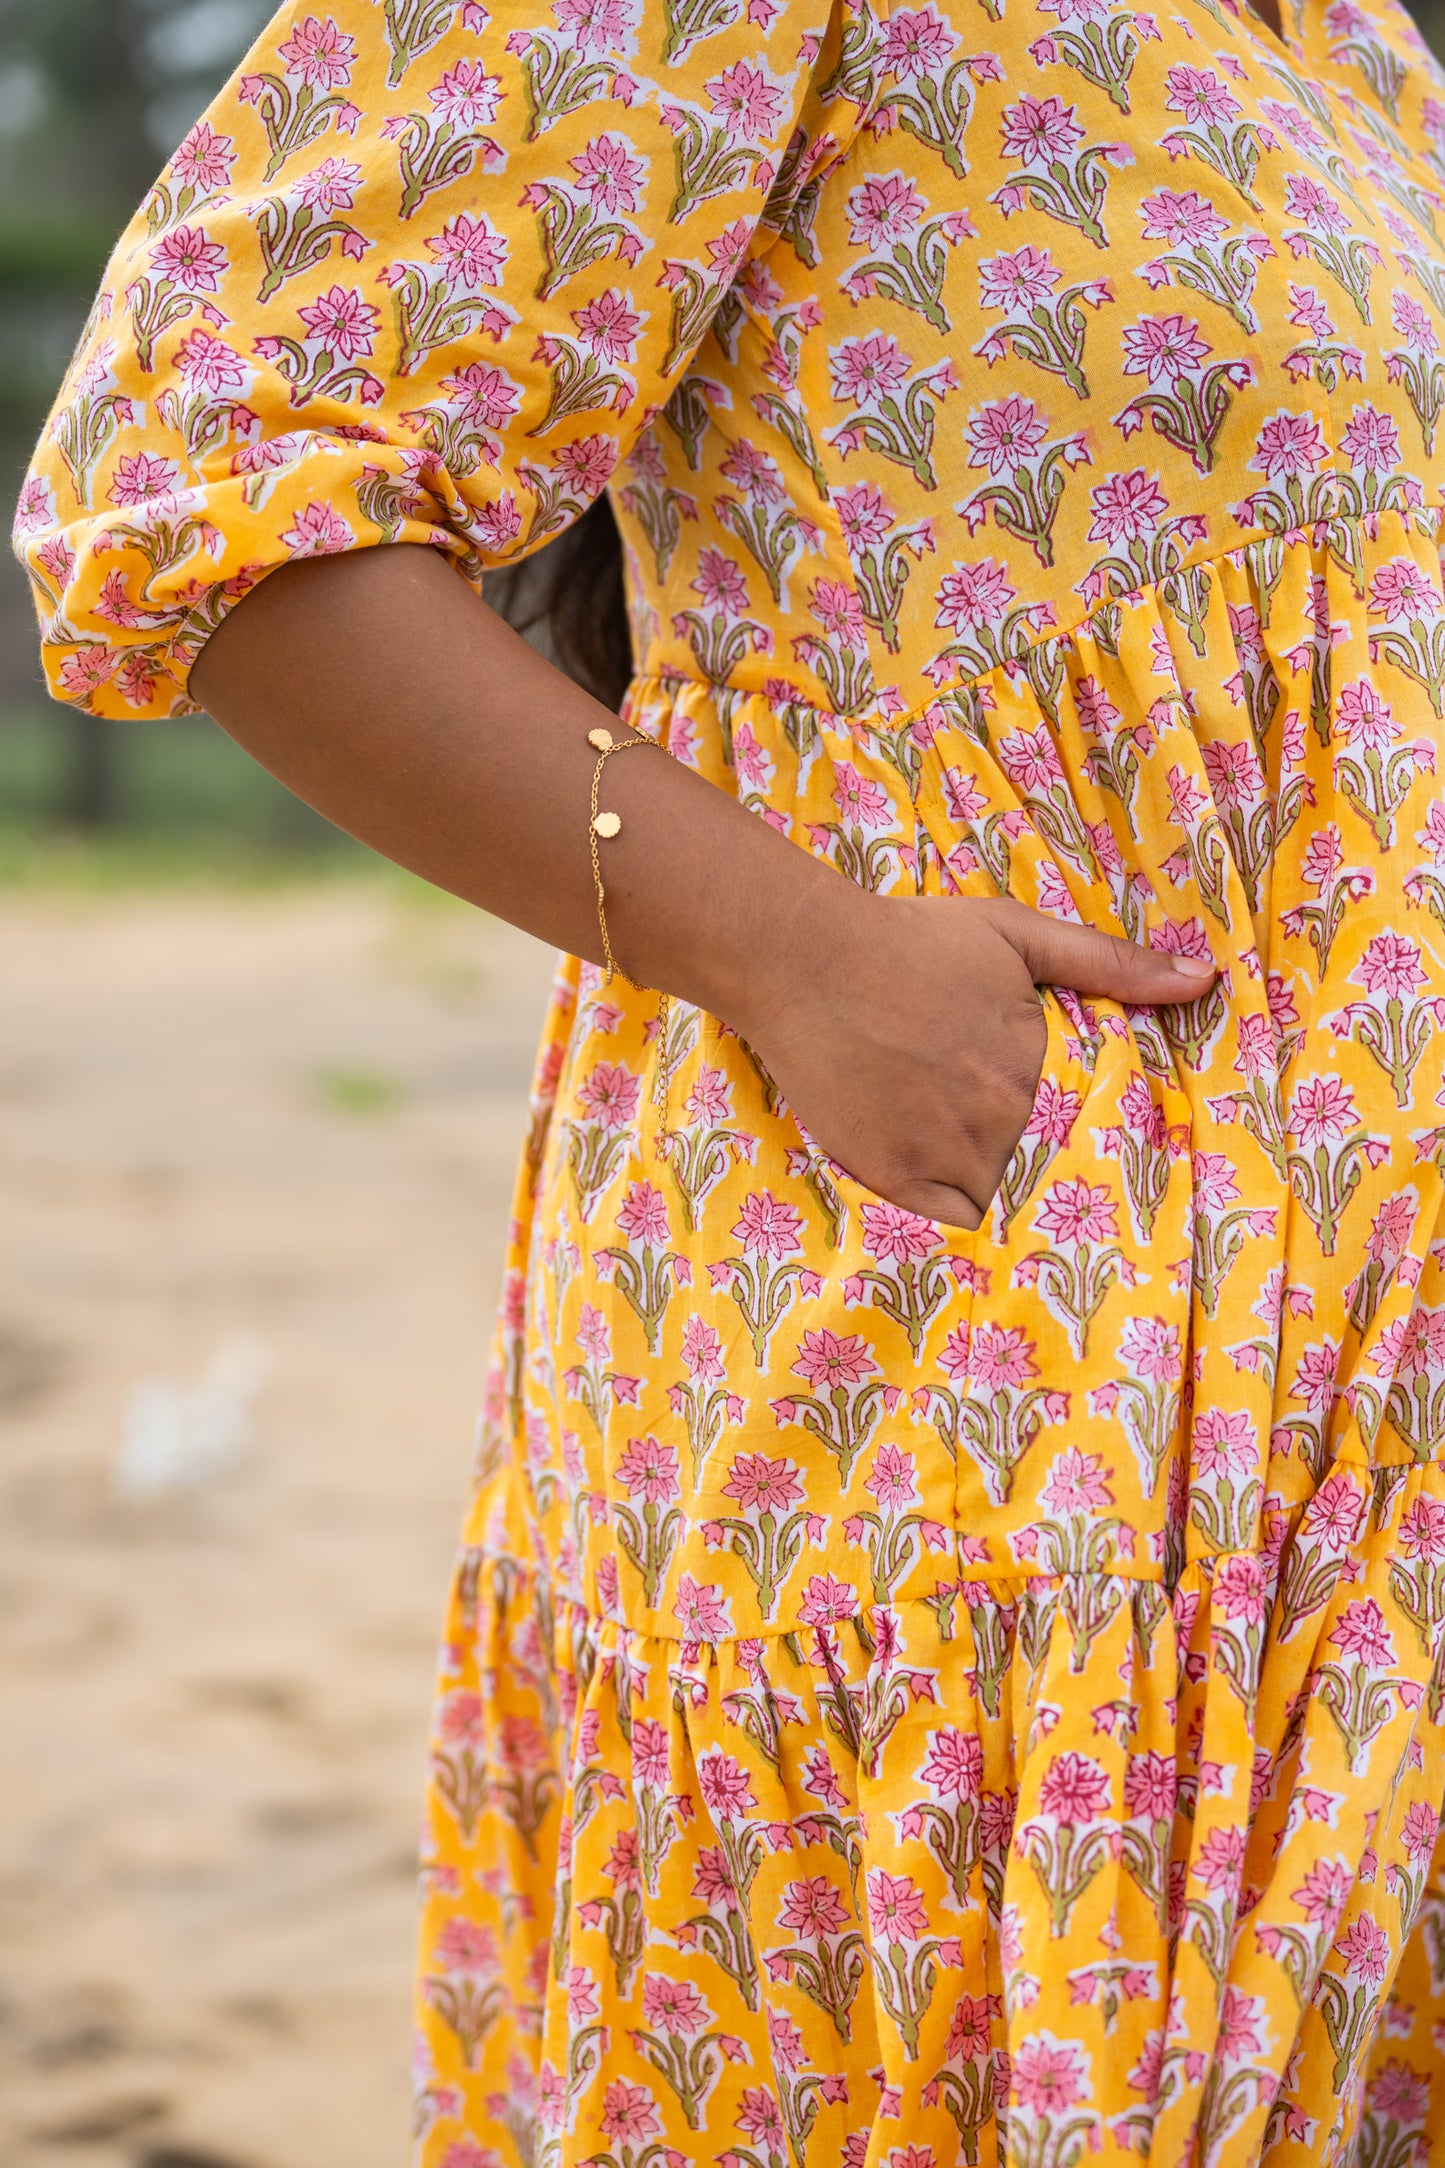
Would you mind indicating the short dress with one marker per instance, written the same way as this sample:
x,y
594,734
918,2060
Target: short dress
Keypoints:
x,y
911,1697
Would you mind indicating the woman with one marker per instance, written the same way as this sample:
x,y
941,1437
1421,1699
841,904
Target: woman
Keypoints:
x,y
944,1663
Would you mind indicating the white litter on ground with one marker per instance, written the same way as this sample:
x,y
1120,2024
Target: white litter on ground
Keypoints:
x,y
182,1437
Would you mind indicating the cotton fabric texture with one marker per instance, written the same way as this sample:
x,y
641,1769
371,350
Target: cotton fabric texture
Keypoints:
x,y
911,1697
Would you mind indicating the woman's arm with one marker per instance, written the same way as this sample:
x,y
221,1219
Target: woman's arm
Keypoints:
x,y
905,1032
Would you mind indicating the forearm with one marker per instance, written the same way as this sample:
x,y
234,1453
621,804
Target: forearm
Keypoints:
x,y
380,690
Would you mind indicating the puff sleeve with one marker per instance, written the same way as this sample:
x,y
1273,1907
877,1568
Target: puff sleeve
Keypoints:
x,y
423,273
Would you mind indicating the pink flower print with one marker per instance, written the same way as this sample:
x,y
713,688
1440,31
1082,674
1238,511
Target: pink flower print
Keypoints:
x,y
1001,1356
1293,125
1163,347
672,2006
342,322
1315,1379
319,54
1414,325
1422,1530
1214,1183
745,101
1235,776
869,370
484,394
1241,2024
1220,1860
898,1236
1360,1631
724,1784
753,472
828,1361
1365,1947
768,1227
649,1470
863,516
1181,218
1004,435
190,260
463,1947
786,2040
970,2028
1239,1590
760,2118
1017,282
611,1095
1414,1346
1365,717
586,464
642,1216
470,251
710,1099
702,1352
1306,200
1097,712
1289,445
204,159
1049,2076
826,1600
459,1719
885,208
839,614
1324,1893
650,1763
713,1881
594,26
628,2112
1400,589
1223,1445
608,326
1334,1513
896,1908
317,531
813,1907
954,1763
1389,1237
1074,1789
1391,966
1041,131
140,480
609,174
1397,2094
1420,1831
719,583
1323,857
1150,1787
208,364
1077,1483
1127,508
821,1779
1322,1112
892,1480
467,96
1257,1056
761,1485
916,44
330,187
701,1610
1054,1113
973,596
1200,96
1150,1348
1371,440
1074,1212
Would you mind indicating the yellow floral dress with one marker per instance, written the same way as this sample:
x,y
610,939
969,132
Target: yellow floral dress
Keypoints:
x,y
911,1697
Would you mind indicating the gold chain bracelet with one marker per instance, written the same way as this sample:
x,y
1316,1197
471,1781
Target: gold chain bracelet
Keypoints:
x,y
606,826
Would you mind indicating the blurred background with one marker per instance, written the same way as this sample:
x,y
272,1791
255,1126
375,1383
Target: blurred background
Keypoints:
x,y
260,1104
260,1100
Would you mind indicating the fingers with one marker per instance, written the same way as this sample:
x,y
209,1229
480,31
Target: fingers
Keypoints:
x,y
936,1201
1060,953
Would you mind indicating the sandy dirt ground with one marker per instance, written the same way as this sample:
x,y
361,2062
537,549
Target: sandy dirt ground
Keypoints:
x,y
291,1117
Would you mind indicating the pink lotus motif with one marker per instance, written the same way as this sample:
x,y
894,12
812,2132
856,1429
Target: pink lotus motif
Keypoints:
x,y
319,54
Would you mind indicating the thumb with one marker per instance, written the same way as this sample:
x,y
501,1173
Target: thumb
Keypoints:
x,y
1058,952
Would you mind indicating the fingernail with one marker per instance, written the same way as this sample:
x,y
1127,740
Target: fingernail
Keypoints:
x,y
1193,968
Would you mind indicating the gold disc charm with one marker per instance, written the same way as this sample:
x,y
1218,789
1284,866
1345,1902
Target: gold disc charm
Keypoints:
x,y
600,740
608,824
